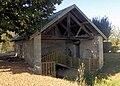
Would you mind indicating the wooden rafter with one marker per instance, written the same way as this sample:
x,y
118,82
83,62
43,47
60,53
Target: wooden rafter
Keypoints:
x,y
86,30
75,20
66,28
85,23
63,26
68,24
80,24
78,31
53,25
65,33
76,16
79,18
47,30
57,30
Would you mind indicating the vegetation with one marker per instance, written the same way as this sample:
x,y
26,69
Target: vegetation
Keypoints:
x,y
103,24
110,74
81,80
24,15
6,45
115,36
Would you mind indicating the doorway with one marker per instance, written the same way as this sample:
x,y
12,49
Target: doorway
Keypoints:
x,y
77,49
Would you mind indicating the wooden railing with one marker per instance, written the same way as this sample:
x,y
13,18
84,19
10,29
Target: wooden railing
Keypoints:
x,y
91,64
60,58
48,68
52,59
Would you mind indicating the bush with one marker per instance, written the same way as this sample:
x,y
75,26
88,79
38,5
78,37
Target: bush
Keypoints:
x,y
114,49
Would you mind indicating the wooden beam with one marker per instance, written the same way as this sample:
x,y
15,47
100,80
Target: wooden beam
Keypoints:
x,y
68,24
65,38
76,16
85,23
68,28
79,31
80,24
63,26
47,30
65,33
90,28
57,30
53,25
86,30
75,20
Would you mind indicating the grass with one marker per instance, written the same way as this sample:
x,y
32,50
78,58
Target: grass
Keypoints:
x,y
16,73
109,75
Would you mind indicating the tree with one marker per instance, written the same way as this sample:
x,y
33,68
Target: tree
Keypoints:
x,y
24,16
115,36
103,25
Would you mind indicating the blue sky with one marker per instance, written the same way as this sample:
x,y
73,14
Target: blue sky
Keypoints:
x,y
99,8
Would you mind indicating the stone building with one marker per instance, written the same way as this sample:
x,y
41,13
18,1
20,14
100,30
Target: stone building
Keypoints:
x,y
70,35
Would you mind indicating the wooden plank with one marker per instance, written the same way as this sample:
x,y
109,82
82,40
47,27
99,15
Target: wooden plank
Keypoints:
x,y
62,65
61,59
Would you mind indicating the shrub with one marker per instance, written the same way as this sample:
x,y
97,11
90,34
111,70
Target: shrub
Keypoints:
x,y
114,49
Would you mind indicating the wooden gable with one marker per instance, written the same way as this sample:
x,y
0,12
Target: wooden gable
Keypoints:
x,y
70,22
68,27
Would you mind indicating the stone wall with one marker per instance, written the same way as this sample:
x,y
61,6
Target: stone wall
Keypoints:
x,y
93,49
24,50
100,47
87,47
32,50
57,45
19,49
37,54
29,52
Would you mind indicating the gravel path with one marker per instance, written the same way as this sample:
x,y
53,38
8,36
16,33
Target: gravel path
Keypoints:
x,y
17,74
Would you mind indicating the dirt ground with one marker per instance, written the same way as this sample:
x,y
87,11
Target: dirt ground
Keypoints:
x,y
17,74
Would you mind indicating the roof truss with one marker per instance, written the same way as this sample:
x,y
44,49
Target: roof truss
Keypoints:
x,y
64,28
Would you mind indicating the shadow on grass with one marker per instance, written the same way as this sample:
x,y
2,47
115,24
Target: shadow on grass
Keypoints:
x,y
111,68
13,66
111,65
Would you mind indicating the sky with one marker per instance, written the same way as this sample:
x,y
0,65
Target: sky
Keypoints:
x,y
96,8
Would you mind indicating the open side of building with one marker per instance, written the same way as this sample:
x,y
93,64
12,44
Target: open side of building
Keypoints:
x,y
63,42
